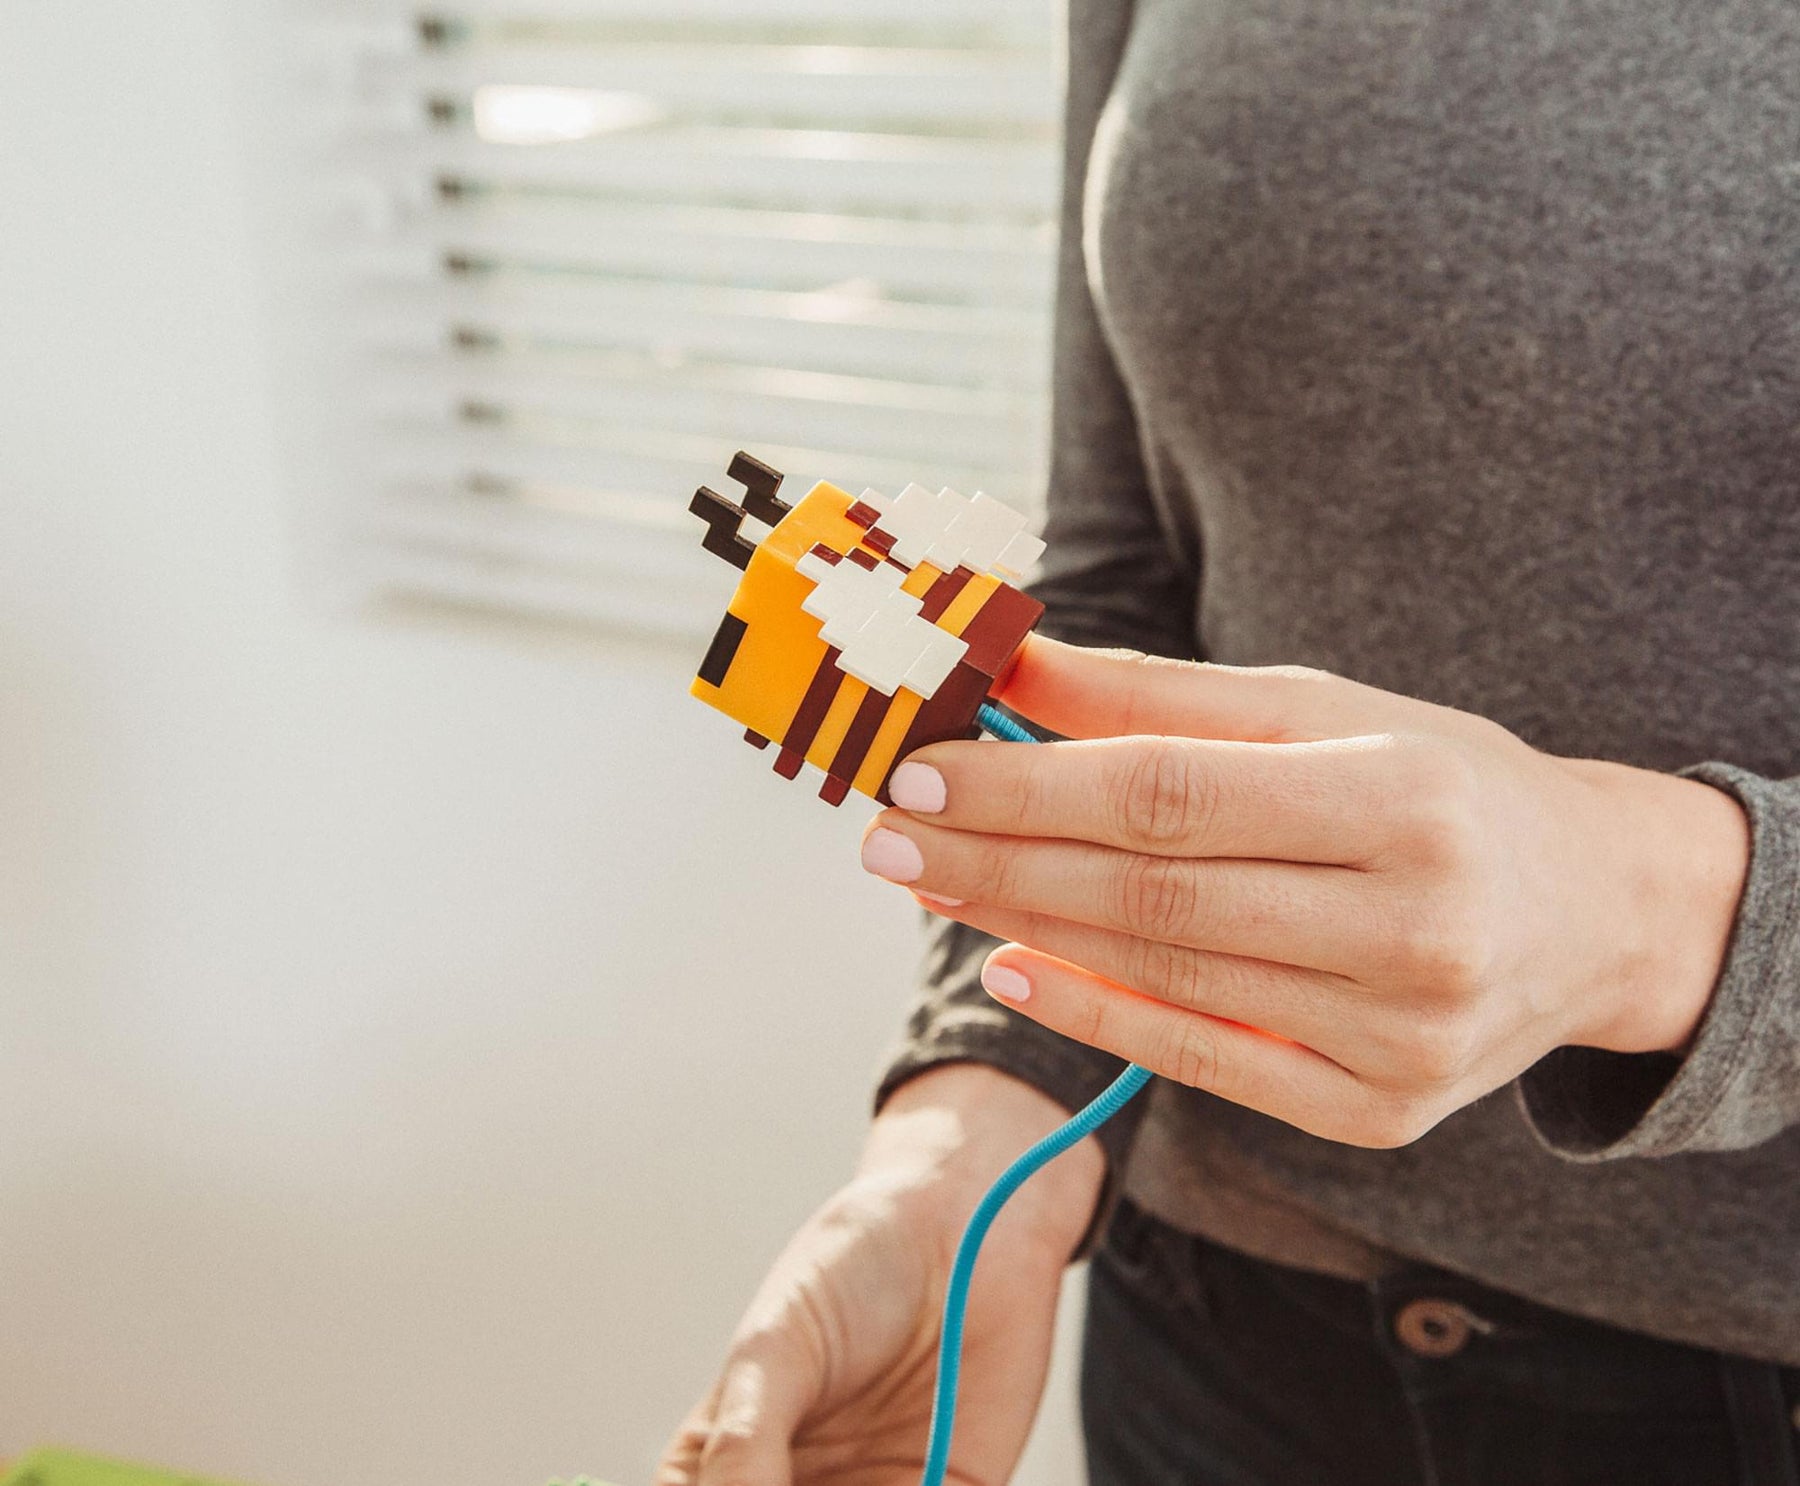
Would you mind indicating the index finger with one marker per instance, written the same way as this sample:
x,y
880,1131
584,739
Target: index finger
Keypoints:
x,y
1179,797
1084,693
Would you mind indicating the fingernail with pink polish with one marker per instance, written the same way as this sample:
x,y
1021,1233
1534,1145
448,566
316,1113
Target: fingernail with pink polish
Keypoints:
x,y
1008,985
889,854
918,788
934,899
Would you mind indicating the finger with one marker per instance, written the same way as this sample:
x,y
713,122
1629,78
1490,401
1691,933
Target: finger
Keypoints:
x,y
1295,913
1329,1013
1306,802
764,1393
1283,1079
680,1463
1114,693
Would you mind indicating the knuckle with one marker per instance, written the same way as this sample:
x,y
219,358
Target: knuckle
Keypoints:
x,y
1190,1056
1301,675
1157,895
999,875
727,1448
681,1457
1154,665
1162,798
1093,1022
1390,1123
1439,1051
1422,949
1439,814
1152,671
1168,971
1304,690
1030,795
1437,953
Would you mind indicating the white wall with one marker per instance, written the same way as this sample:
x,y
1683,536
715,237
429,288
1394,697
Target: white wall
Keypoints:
x,y
408,1055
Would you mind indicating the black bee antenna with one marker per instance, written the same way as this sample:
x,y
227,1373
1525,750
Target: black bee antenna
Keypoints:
x,y
760,483
723,518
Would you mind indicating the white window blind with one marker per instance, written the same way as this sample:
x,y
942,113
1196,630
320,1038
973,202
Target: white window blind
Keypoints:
x,y
581,252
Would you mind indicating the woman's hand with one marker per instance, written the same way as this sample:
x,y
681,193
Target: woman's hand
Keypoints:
x,y
1348,909
828,1381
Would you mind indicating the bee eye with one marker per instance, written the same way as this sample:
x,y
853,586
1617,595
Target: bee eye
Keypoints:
x,y
723,650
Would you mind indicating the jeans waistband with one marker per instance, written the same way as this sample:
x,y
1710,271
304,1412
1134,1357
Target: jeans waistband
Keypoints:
x,y
1448,1325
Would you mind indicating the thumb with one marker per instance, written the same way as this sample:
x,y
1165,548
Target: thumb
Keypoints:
x,y
1083,693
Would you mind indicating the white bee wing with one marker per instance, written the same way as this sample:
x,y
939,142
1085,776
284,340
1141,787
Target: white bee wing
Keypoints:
x,y
877,628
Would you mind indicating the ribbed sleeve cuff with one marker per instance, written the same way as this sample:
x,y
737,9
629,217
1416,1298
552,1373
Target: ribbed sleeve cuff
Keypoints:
x,y
955,1021
1736,1085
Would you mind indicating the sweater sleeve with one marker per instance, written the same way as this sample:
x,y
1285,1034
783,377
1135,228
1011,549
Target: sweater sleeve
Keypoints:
x,y
1739,1084
1113,575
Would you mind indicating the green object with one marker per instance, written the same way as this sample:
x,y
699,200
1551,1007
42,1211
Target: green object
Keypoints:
x,y
67,1468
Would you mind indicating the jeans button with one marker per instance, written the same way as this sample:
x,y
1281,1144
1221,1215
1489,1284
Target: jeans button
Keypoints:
x,y
1436,1328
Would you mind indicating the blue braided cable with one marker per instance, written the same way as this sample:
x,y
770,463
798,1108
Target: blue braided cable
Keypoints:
x,y
1001,726
1115,1097
1112,1099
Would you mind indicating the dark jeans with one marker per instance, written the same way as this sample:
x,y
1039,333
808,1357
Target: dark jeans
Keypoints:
x,y
1205,1368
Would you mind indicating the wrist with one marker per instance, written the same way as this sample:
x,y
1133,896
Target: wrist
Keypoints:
x,y
953,1129
1685,850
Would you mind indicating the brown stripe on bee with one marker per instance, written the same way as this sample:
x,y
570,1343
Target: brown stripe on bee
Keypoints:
x,y
863,727
999,628
949,713
939,595
947,701
811,712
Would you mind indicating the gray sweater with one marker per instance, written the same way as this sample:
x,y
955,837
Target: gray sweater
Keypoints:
x,y
1454,345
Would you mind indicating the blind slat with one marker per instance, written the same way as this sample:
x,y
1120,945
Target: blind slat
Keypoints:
x,y
969,434
817,170
1028,21
906,261
440,544
844,86
580,251
669,322
632,462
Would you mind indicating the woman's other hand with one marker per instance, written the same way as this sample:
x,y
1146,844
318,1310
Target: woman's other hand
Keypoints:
x,y
828,1380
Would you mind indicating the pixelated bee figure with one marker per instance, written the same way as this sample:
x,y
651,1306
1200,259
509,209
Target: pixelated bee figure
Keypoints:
x,y
862,629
